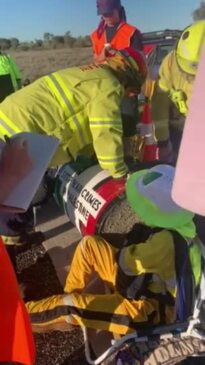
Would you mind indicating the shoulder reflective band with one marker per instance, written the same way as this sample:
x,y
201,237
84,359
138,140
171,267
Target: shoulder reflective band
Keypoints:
x,y
64,97
7,127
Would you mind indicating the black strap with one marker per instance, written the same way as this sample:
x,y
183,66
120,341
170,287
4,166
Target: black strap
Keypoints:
x,y
163,300
140,233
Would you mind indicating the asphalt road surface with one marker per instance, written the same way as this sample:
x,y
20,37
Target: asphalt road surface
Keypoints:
x,y
61,237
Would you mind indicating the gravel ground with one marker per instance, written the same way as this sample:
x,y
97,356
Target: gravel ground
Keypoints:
x,y
37,274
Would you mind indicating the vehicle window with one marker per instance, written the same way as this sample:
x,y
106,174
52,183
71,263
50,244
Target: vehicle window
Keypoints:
x,y
162,52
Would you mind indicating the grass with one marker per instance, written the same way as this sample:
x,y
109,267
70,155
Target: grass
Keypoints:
x,y
36,63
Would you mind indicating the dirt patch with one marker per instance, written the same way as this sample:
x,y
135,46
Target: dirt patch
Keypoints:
x,y
36,63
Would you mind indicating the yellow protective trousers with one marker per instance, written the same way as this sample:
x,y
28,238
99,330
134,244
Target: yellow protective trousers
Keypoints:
x,y
110,312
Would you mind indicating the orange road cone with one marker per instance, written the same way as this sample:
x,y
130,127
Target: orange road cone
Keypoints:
x,y
150,149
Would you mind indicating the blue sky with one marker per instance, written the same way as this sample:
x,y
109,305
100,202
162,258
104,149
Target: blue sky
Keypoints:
x,y
29,19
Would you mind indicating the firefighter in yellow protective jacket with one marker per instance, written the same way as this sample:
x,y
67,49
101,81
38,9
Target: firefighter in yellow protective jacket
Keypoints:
x,y
176,78
141,275
81,107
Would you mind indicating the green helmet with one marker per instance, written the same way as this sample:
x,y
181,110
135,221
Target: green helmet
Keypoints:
x,y
149,195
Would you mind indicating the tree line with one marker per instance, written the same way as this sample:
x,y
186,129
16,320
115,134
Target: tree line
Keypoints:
x,y
49,41
199,13
52,41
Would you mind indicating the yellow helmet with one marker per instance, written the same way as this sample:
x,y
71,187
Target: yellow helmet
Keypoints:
x,y
129,66
189,47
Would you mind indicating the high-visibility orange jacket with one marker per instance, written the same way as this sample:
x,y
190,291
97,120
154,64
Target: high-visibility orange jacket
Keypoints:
x,y
120,40
16,341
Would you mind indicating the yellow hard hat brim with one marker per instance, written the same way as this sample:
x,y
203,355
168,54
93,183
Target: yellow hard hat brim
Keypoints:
x,y
187,66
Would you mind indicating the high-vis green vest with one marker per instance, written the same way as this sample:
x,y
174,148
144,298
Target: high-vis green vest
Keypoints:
x,y
9,67
80,106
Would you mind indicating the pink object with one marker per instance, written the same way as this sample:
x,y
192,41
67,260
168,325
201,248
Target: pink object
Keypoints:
x,y
189,183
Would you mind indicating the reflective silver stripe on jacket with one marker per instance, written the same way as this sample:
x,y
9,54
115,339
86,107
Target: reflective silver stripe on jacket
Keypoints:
x,y
69,106
113,122
6,127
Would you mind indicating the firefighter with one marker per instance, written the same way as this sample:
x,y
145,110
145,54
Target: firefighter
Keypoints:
x,y
176,78
114,32
141,275
79,106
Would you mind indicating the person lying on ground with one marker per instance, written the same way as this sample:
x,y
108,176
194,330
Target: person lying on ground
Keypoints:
x,y
141,275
